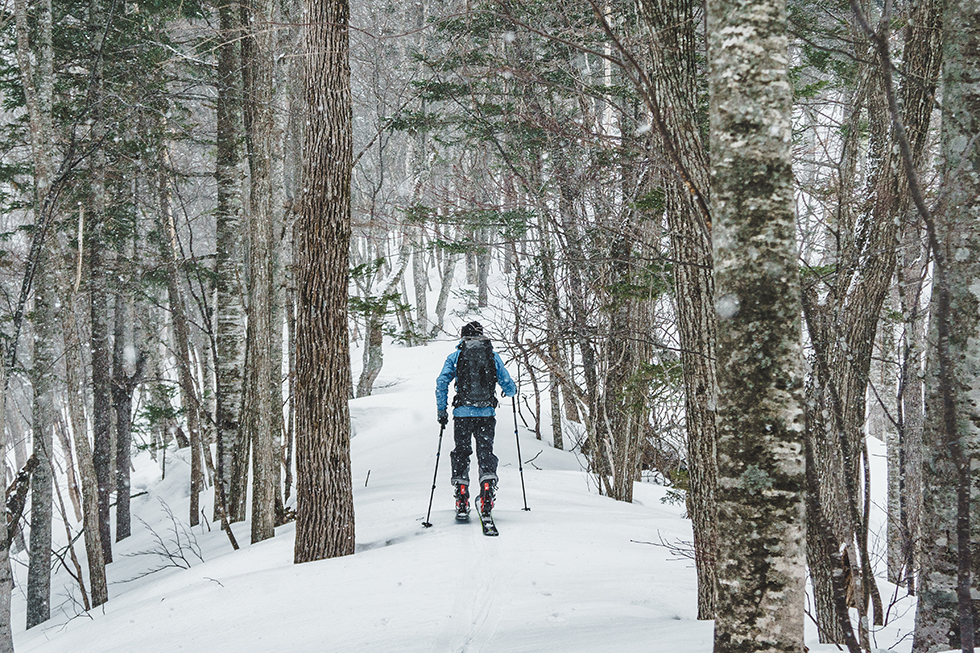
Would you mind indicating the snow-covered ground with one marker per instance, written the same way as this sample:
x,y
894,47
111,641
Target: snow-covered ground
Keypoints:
x,y
578,572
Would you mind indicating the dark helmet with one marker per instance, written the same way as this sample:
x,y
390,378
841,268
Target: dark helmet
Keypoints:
x,y
471,330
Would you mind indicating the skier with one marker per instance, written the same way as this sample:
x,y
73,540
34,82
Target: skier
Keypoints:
x,y
477,369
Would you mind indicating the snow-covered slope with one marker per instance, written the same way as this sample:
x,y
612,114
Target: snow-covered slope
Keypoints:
x,y
577,572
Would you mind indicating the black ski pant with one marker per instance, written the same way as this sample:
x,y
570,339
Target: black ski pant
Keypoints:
x,y
465,430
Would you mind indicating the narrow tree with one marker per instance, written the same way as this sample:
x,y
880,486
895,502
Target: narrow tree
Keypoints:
x,y
230,262
324,495
127,372
262,391
760,373
170,253
35,61
75,382
6,575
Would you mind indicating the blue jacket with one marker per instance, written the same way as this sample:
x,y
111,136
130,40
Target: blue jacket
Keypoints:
x,y
449,373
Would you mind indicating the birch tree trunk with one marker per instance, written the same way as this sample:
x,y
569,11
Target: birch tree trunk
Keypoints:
x,y
230,262
324,494
760,603
948,604
420,282
448,274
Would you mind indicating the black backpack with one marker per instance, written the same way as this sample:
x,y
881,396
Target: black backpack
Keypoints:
x,y
476,374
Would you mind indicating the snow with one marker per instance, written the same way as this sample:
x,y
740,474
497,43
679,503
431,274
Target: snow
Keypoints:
x,y
578,572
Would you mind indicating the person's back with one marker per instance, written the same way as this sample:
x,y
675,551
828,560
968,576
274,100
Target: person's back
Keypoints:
x,y
476,369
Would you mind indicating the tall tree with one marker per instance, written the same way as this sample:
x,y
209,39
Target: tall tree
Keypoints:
x,y
75,382
947,609
43,425
6,575
263,395
171,255
127,372
760,604
324,494
921,64
35,58
230,260
674,85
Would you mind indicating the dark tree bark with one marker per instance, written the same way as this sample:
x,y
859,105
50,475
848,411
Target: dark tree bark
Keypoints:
x,y
126,376
760,603
102,456
324,495
98,259
674,78
921,63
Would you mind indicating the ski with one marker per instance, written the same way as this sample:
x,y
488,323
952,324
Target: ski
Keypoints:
x,y
462,516
489,528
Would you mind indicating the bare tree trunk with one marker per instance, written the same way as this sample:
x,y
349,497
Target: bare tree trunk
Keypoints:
x,y
230,261
324,495
375,320
482,267
761,470
922,60
947,609
99,259
261,373
449,271
74,493
170,251
75,381
674,78
6,576
43,379
35,61
420,281
127,373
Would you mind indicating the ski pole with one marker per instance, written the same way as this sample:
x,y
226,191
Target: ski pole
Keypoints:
x,y
427,523
520,462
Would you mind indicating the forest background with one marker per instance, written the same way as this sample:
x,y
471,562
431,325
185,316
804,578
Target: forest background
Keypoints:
x,y
162,277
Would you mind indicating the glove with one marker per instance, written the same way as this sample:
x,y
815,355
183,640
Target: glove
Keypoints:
x,y
443,417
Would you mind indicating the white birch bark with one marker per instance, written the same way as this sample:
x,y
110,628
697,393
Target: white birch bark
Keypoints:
x,y
760,603
230,263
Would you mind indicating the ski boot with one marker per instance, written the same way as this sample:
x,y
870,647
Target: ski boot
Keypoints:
x,y
487,492
462,502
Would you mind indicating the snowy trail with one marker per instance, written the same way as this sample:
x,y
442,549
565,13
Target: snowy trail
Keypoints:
x,y
575,574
